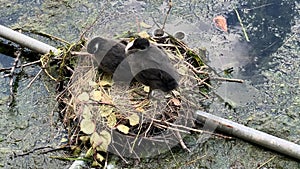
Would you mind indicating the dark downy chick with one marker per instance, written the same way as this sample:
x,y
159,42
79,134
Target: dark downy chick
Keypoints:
x,y
151,66
109,56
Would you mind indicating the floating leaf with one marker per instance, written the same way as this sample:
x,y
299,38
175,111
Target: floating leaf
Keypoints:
x,y
95,140
106,140
147,89
122,128
106,110
96,95
86,114
111,120
144,25
87,126
83,97
134,119
220,22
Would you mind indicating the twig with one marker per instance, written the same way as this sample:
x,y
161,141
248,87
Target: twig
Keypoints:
x,y
51,36
181,141
261,6
241,23
194,160
227,79
35,77
170,4
11,76
93,23
18,66
260,166
189,128
79,53
32,151
194,69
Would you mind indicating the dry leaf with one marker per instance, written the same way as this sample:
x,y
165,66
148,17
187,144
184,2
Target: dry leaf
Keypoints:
x,y
134,119
86,114
106,140
175,101
140,109
90,152
83,97
111,120
95,140
96,164
93,84
122,128
106,110
96,95
106,80
147,89
99,157
144,34
220,22
106,99
87,126
84,138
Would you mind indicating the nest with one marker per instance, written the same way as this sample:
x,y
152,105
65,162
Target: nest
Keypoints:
x,y
122,120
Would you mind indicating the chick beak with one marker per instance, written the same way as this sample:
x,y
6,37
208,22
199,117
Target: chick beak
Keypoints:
x,y
129,45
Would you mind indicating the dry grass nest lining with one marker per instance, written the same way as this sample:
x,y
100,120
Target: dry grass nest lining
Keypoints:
x,y
120,119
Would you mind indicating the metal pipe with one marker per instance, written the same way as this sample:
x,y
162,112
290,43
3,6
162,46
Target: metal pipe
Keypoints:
x,y
266,140
26,41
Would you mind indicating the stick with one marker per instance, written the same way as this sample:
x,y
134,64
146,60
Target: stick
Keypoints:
x,y
242,25
26,41
252,135
227,79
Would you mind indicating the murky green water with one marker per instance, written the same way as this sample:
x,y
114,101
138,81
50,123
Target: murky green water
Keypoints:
x,y
269,101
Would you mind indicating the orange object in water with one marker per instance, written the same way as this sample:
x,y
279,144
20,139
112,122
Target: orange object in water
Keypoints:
x,y
220,22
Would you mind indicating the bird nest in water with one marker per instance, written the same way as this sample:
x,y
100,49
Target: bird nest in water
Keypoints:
x,y
122,120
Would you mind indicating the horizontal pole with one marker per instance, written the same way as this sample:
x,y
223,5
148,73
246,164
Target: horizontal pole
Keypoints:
x,y
266,140
26,41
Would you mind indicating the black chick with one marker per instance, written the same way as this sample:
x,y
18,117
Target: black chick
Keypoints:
x,y
109,56
151,66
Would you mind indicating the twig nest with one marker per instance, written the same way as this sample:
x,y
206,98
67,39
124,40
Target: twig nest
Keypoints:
x,y
121,119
